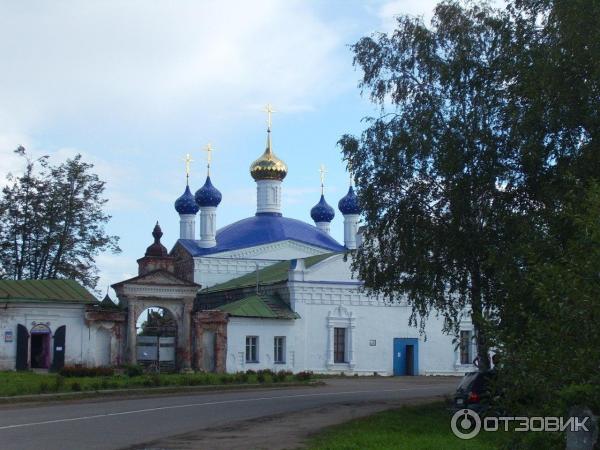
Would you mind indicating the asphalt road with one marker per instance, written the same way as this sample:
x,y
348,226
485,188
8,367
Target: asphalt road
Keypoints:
x,y
114,424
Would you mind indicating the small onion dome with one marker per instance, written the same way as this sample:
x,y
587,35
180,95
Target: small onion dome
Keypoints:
x,y
322,212
349,203
157,249
186,204
208,195
268,166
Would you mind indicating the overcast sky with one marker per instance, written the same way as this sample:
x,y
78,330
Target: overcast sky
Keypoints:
x,y
135,85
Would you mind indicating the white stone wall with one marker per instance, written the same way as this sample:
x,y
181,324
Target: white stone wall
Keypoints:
x,y
266,330
80,340
209,271
225,266
326,296
308,338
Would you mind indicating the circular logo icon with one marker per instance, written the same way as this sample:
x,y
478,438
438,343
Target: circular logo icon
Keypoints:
x,y
465,424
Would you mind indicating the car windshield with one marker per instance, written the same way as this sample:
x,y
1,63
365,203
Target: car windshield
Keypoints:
x,y
467,381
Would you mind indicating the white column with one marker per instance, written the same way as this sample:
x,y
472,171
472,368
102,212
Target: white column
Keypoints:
x,y
187,226
350,230
268,196
323,226
330,356
350,337
208,226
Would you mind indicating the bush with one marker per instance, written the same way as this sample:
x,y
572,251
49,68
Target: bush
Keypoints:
x,y
59,383
304,376
134,370
241,377
80,371
282,375
75,386
44,387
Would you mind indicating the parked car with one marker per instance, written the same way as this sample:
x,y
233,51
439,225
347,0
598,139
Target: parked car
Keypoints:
x,y
474,391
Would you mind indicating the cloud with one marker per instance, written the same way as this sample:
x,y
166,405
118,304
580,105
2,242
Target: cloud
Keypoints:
x,y
111,59
390,10
114,268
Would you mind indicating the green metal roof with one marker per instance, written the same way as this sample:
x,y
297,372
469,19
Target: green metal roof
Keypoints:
x,y
268,275
60,291
261,306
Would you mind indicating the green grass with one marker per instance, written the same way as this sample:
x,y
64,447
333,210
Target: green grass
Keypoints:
x,y
24,383
422,427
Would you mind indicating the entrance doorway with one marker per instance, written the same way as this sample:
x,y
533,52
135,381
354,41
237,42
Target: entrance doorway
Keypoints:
x,y
156,340
406,356
40,347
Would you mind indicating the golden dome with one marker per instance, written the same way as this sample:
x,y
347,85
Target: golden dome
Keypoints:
x,y
268,166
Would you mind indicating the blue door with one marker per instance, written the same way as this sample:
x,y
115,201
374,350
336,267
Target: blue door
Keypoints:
x,y
406,356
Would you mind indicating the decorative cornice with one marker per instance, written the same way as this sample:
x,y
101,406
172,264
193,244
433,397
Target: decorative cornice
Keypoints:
x,y
288,243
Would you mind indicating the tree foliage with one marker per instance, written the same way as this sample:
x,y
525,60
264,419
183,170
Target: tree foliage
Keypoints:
x,y
52,221
429,173
479,181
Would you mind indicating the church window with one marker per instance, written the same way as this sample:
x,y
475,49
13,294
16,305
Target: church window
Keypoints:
x,y
339,345
251,349
466,347
279,350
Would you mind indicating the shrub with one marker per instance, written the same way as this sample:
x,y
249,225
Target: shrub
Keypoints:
x,y
241,377
282,375
59,383
80,371
134,370
75,386
304,376
267,378
44,387
250,372
262,375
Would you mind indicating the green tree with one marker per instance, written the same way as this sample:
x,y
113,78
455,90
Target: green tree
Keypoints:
x,y
431,168
52,222
549,326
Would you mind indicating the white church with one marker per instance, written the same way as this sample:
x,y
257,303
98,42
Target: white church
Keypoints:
x,y
266,292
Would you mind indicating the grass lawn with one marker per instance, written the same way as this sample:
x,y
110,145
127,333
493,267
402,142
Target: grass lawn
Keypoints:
x,y
419,427
24,383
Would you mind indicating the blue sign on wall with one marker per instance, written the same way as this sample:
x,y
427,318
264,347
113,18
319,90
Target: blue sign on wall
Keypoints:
x,y
8,336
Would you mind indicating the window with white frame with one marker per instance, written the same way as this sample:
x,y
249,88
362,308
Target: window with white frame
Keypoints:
x,y
251,349
340,347
279,349
466,347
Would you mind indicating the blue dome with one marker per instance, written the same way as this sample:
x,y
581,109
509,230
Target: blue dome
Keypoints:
x,y
322,212
264,229
349,203
208,195
186,203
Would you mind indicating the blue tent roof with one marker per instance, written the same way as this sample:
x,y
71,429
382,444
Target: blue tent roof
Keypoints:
x,y
264,229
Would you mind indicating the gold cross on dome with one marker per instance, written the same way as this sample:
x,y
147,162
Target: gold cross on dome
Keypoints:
x,y
188,161
322,171
350,174
208,149
269,110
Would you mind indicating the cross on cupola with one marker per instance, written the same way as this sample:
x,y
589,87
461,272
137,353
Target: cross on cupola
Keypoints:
x,y
322,213
269,110
188,162
322,171
268,171
208,149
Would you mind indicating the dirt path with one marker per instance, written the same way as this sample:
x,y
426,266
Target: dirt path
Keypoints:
x,y
278,432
